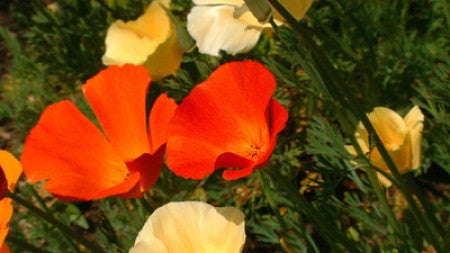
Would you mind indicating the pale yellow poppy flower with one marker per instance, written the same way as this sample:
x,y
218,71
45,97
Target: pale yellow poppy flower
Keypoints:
x,y
229,26
400,136
192,227
150,40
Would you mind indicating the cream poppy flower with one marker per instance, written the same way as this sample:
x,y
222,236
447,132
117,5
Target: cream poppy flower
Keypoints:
x,y
228,25
400,136
150,40
192,227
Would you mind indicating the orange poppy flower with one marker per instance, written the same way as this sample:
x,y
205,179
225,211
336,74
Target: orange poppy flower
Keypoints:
x,y
10,170
230,120
80,161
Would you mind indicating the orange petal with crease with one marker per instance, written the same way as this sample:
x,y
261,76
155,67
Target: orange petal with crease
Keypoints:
x,y
117,97
230,120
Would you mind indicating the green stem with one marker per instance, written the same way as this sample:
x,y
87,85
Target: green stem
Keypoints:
x,y
148,209
92,246
384,204
41,202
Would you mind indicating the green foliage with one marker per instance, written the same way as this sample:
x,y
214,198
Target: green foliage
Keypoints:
x,y
433,99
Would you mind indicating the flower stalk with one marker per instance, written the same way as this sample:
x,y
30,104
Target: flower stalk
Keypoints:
x,y
92,246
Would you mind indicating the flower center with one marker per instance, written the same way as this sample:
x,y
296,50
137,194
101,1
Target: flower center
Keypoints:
x,y
254,152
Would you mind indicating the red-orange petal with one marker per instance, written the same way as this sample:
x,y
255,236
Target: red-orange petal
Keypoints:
x,y
70,152
148,167
158,122
117,96
224,122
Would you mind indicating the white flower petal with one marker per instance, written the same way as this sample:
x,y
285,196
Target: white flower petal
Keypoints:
x,y
214,29
191,227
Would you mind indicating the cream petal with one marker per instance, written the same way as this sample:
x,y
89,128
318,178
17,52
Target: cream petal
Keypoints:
x,y
390,127
134,41
414,123
124,46
154,24
192,226
214,28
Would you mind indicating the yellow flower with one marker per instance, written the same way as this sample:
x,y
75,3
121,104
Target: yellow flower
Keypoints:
x,y
192,227
400,136
11,169
229,25
150,40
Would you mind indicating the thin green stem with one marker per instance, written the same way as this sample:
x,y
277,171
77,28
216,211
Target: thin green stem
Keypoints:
x,y
38,198
384,204
92,246
148,209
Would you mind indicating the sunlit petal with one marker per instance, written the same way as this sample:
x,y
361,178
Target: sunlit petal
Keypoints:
x,y
160,116
117,96
227,115
134,41
150,40
186,227
70,152
214,29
